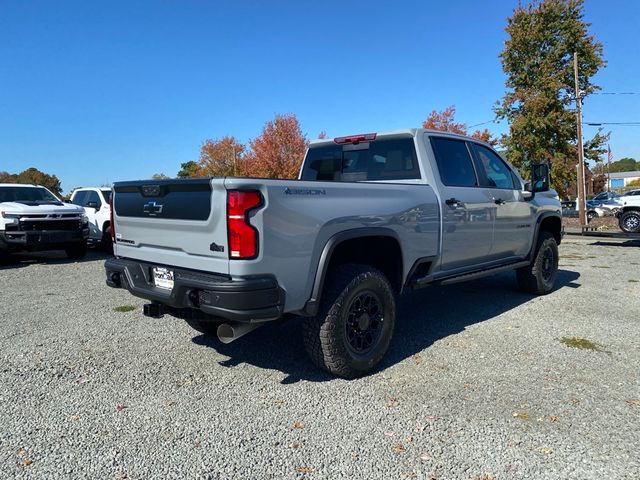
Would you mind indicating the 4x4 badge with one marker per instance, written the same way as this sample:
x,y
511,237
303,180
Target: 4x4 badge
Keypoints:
x,y
152,208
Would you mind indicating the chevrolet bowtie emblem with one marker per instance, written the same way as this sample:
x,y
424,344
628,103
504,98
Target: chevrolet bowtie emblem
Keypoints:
x,y
152,208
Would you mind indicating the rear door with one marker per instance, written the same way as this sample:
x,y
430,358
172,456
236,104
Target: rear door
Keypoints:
x,y
467,209
173,222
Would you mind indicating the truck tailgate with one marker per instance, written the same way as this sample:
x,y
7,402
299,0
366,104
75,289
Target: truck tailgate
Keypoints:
x,y
179,223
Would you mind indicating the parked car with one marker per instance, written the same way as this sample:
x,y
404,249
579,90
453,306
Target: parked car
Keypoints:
x,y
570,210
95,202
370,216
34,219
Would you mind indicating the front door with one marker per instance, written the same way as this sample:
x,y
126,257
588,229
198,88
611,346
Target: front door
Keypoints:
x,y
513,225
467,210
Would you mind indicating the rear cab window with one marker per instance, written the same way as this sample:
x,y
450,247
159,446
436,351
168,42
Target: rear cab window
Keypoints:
x,y
377,160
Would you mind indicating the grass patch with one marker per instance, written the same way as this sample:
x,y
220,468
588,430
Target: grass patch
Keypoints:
x,y
124,308
581,343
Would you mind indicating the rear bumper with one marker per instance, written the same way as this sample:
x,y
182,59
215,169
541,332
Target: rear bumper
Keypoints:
x,y
255,299
41,240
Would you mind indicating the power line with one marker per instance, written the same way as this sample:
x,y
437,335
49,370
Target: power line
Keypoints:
x,y
599,124
615,93
483,123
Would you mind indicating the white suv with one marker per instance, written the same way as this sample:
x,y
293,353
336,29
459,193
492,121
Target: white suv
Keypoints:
x,y
95,202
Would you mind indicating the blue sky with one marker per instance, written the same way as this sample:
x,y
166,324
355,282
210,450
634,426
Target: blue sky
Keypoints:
x,y
96,92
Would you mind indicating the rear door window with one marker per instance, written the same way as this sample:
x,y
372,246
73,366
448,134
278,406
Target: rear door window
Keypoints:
x,y
454,162
392,159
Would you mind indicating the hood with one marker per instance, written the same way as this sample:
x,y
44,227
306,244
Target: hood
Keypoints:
x,y
24,209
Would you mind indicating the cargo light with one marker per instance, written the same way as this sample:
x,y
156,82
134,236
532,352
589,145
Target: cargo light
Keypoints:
x,y
355,139
243,237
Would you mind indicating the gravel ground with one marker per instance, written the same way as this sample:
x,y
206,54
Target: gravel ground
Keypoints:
x,y
477,384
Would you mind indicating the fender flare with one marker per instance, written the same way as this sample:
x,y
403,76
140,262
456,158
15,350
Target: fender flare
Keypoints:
x,y
311,306
536,233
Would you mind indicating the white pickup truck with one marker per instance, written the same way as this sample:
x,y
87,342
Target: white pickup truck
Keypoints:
x,y
33,219
95,201
369,217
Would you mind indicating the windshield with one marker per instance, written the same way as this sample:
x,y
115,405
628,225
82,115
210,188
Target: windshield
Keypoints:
x,y
35,195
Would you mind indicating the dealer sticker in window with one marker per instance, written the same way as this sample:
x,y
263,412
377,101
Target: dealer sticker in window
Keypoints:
x,y
163,278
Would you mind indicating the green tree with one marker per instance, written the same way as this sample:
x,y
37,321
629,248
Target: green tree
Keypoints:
x,y
539,104
625,165
188,169
159,176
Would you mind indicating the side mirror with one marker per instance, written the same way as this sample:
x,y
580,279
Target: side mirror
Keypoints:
x,y
539,178
92,205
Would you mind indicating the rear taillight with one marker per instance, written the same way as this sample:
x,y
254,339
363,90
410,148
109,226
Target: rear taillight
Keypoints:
x,y
111,223
243,237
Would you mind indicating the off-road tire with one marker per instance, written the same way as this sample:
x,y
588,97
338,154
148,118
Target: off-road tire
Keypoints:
x,y
201,322
326,335
540,276
630,221
76,251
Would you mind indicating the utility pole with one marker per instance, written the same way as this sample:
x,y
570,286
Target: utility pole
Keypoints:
x,y
582,197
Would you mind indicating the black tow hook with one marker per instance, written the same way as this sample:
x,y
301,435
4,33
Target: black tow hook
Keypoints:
x,y
154,310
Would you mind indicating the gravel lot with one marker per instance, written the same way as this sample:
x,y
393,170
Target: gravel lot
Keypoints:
x,y
477,384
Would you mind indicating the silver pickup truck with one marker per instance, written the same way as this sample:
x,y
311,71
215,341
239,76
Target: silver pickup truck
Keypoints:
x,y
369,217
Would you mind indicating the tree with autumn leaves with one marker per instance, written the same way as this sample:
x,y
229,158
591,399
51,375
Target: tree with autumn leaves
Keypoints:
x,y
276,153
444,121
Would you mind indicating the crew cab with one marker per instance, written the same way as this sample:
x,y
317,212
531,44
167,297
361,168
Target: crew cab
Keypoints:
x,y
95,201
34,219
369,217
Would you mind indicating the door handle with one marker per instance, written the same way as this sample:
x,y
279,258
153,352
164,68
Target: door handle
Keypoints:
x,y
499,201
453,202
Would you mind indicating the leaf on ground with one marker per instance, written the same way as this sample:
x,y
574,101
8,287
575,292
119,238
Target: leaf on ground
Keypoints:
x,y
431,418
304,470
21,452
574,401
417,359
425,457
545,450
522,415
26,462
388,434
170,403
295,445
392,402
398,448
120,407
278,403
553,418
298,424
633,403
483,477
121,476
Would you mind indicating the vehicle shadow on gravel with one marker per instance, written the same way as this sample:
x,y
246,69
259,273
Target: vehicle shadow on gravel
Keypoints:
x,y
20,260
423,317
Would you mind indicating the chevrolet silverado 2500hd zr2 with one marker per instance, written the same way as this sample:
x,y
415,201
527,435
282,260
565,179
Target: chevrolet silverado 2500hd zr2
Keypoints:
x,y
34,219
369,217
